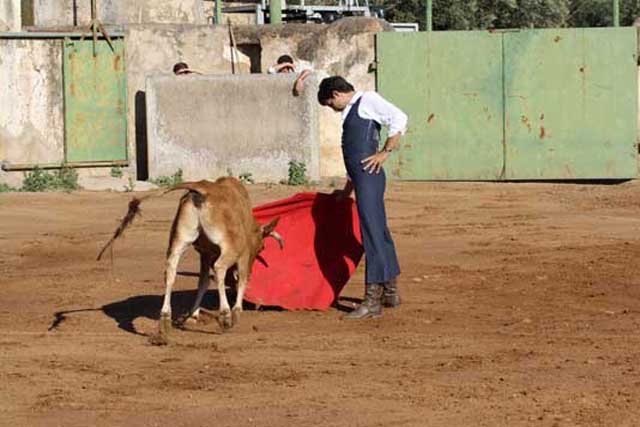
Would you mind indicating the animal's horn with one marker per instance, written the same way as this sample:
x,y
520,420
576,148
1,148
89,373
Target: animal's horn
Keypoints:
x,y
278,237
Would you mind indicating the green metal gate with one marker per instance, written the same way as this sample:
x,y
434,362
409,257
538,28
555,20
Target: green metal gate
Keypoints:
x,y
94,101
538,104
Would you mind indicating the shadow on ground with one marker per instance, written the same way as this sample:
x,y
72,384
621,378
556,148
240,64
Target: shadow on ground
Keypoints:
x,y
126,311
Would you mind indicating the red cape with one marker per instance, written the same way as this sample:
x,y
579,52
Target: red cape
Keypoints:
x,y
322,248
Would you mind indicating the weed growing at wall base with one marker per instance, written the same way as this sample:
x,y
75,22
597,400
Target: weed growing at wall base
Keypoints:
x,y
168,181
116,172
246,178
5,188
297,173
65,179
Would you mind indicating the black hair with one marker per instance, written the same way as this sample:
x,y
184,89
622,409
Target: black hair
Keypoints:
x,y
284,59
179,67
330,85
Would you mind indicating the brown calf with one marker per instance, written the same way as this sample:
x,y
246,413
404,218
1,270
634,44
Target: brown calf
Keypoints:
x,y
216,218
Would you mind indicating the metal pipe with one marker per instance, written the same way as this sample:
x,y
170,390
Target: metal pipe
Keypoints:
x,y
52,35
218,13
14,167
616,13
275,12
429,15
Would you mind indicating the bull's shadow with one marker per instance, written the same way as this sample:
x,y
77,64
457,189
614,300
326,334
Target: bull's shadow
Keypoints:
x,y
126,311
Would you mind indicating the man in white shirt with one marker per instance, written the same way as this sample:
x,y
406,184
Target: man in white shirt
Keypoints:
x,y
363,114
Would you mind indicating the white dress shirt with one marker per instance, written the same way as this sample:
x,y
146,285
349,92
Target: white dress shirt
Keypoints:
x,y
376,108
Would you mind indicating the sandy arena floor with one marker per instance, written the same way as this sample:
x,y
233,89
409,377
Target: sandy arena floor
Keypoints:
x,y
521,307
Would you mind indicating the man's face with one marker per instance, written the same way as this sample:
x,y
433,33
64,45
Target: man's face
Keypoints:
x,y
339,101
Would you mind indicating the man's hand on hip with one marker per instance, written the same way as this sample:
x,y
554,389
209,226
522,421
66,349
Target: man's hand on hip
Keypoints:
x,y
374,163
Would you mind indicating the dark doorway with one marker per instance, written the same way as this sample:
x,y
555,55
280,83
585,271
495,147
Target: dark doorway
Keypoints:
x,y
254,52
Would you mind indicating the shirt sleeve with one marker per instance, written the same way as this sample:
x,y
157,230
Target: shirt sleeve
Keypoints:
x,y
375,107
272,70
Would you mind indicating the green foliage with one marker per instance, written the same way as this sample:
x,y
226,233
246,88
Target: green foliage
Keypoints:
x,y
599,13
502,14
297,173
246,178
5,188
65,179
168,181
116,172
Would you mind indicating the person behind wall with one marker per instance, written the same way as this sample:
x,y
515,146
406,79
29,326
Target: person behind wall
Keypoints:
x,y
285,64
181,69
363,114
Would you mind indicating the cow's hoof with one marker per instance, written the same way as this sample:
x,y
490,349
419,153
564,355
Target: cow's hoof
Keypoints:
x,y
225,320
192,320
158,339
235,315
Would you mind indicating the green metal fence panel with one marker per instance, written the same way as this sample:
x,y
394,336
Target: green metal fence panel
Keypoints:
x,y
94,101
450,85
514,105
571,102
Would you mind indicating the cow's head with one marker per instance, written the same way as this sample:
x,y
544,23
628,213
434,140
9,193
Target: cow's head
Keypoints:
x,y
268,230
264,231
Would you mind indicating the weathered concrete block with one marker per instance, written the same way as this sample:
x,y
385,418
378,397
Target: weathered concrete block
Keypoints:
x,y
31,102
118,12
10,15
152,50
210,125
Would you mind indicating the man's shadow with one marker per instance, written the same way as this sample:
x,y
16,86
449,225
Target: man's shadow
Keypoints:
x,y
126,311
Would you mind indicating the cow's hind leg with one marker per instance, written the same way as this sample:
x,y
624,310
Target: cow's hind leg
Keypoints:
x,y
203,287
243,279
184,232
224,314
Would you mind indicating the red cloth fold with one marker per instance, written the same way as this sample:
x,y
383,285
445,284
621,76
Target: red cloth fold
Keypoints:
x,y
322,248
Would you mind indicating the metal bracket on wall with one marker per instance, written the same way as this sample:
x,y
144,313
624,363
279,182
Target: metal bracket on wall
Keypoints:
x,y
96,26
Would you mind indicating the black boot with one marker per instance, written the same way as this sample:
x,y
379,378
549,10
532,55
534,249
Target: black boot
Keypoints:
x,y
371,306
390,296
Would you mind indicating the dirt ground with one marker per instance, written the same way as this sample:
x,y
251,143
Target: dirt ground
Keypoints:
x,y
521,307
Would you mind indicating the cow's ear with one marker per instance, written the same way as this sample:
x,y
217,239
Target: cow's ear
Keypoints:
x,y
268,228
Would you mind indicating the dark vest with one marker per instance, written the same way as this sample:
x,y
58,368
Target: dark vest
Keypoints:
x,y
360,137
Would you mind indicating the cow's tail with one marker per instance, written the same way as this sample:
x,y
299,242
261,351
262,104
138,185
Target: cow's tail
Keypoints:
x,y
134,208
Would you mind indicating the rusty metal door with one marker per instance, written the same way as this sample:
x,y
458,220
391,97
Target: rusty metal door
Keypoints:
x,y
94,101
450,86
571,101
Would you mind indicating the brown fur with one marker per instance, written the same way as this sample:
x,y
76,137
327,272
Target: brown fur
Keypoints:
x,y
217,219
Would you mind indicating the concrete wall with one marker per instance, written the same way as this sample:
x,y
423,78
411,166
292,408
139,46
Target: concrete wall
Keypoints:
x,y
345,48
31,103
10,15
49,13
209,126
152,50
